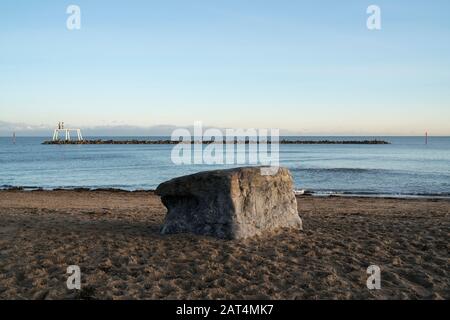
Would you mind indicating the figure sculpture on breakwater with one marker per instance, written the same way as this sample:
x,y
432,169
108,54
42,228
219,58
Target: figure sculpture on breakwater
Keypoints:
x,y
61,128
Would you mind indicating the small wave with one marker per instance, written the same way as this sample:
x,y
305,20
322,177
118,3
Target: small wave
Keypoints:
x,y
339,170
356,193
300,192
11,187
75,188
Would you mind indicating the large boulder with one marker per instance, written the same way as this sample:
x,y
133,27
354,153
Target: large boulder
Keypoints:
x,y
230,204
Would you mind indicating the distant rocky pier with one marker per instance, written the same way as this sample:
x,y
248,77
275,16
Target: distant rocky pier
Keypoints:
x,y
283,141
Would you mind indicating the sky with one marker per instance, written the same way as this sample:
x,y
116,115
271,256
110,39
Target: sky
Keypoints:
x,y
311,67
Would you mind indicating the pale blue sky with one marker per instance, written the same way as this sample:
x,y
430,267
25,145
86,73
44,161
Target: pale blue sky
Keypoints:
x,y
307,66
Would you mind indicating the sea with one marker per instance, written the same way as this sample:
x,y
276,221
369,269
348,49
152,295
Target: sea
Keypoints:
x,y
407,167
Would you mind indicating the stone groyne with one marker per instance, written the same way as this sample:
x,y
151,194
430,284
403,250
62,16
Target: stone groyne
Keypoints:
x,y
284,141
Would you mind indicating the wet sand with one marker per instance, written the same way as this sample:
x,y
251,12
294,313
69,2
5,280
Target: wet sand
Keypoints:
x,y
114,237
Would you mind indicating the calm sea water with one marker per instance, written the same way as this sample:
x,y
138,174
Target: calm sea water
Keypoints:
x,y
405,167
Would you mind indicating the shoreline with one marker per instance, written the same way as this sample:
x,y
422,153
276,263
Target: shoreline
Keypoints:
x,y
297,192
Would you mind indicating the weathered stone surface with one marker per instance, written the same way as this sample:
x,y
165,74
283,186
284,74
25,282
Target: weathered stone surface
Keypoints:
x,y
231,204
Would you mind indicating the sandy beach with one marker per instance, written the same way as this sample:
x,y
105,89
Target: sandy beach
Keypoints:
x,y
114,237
